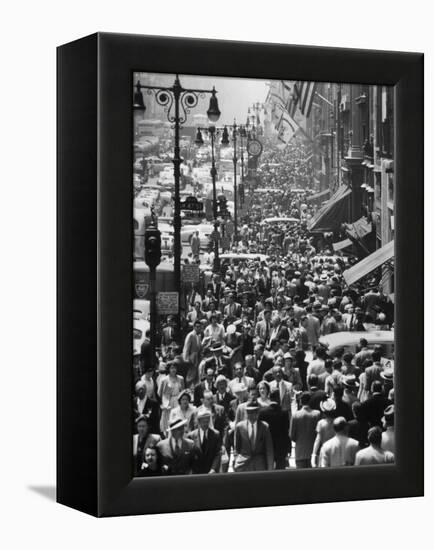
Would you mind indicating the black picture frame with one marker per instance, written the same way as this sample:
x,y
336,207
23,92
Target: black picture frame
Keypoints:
x,y
94,472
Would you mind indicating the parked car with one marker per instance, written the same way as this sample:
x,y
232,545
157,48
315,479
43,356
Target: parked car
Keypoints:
x,y
350,340
205,230
140,326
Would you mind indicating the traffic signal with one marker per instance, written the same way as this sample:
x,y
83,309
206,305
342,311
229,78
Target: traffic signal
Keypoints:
x,y
152,247
222,207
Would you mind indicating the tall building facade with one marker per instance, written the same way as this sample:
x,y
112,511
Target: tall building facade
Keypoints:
x,y
351,127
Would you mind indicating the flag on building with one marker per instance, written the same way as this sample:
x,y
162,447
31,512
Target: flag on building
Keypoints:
x,y
286,129
306,94
292,96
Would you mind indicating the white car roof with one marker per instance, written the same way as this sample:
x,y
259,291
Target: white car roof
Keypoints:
x,y
338,339
243,256
280,220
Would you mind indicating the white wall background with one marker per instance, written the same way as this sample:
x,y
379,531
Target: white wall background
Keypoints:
x,y
30,32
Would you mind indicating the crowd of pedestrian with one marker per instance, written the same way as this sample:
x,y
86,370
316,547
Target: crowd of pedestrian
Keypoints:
x,y
244,384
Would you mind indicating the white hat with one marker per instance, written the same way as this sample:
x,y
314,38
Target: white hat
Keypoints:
x,y
328,405
240,388
177,423
140,385
231,329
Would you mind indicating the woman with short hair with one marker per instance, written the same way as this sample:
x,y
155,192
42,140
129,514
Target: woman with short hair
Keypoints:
x,y
142,440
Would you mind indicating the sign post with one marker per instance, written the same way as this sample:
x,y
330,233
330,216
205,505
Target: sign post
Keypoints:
x,y
190,273
167,303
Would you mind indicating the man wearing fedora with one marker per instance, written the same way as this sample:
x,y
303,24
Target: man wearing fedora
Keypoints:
x,y
340,450
351,387
387,376
373,408
177,451
388,436
240,393
218,419
324,428
220,359
253,447
207,445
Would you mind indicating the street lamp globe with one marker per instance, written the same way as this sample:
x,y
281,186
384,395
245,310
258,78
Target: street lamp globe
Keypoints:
x,y
138,103
225,137
213,112
199,139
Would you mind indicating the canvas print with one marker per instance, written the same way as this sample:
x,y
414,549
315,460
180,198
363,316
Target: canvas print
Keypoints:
x,y
263,312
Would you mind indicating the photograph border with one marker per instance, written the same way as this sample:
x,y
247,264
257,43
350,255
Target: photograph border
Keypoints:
x,y
102,422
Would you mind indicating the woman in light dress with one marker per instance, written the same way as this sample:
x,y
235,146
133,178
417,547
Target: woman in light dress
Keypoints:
x,y
169,389
185,410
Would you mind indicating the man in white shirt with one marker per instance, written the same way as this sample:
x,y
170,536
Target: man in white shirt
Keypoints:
x,y
340,450
281,391
374,454
240,378
317,366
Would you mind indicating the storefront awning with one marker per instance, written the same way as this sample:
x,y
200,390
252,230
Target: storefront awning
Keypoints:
x,y
342,244
322,195
368,264
333,213
358,229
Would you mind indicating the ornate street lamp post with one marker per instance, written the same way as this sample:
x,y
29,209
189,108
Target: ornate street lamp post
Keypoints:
x,y
212,132
178,102
241,132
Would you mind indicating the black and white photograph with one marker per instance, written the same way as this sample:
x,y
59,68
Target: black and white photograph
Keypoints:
x,y
263,275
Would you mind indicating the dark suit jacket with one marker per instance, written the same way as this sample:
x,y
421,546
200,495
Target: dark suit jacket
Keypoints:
x,y
217,292
225,402
146,355
317,397
282,333
265,364
253,458
208,457
198,393
219,419
263,286
180,463
372,409
278,422
359,430
236,310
